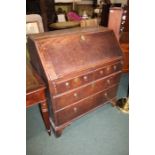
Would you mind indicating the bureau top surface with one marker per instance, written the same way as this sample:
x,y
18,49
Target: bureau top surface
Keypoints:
x,y
65,51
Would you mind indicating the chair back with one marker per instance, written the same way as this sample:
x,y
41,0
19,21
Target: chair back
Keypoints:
x,y
34,24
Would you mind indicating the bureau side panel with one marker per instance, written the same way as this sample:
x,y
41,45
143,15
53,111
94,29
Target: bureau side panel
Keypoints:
x,y
37,64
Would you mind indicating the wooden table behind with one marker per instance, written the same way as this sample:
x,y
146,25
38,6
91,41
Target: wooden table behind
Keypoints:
x,y
35,94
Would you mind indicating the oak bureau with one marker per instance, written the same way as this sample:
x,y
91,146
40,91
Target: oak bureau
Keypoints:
x,y
82,69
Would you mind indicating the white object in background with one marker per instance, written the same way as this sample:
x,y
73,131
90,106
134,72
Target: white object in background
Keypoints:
x,y
84,16
32,28
34,24
97,10
61,18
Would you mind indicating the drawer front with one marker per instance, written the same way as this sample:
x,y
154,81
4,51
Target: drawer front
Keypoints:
x,y
74,83
106,82
107,70
85,105
84,79
83,92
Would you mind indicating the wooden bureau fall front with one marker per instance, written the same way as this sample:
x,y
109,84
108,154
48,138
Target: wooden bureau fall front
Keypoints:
x,y
81,67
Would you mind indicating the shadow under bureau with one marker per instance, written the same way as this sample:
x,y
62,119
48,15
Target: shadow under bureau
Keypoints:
x,y
81,67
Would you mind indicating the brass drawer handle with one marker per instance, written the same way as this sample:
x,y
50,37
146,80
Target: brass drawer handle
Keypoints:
x,y
109,98
75,94
85,78
83,37
75,109
108,81
105,94
101,72
115,67
108,68
67,83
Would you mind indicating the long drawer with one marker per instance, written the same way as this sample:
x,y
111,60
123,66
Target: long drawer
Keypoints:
x,y
85,105
63,86
69,98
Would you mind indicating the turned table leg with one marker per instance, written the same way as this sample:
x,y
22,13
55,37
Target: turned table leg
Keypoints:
x,y
45,115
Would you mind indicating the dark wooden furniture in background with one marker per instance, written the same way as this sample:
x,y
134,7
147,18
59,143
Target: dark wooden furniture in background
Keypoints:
x,y
45,8
119,23
125,18
82,68
105,12
115,18
124,44
35,93
124,36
